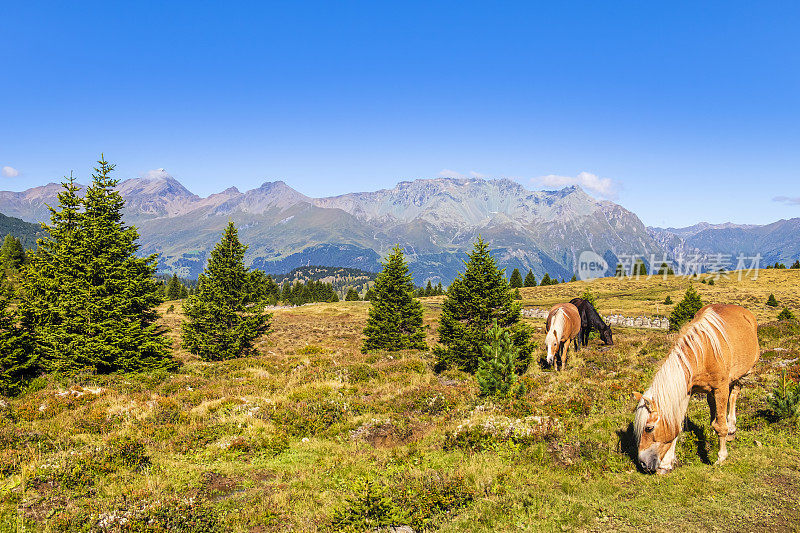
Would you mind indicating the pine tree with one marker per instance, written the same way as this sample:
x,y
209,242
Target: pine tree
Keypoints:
x,y
477,298
530,279
546,280
439,289
352,295
173,289
369,295
785,314
771,301
685,310
220,325
516,279
668,300
86,297
395,317
16,349
429,289
796,264
574,278
639,268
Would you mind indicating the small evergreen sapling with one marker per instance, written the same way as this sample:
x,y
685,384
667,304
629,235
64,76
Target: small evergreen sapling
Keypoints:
x,y
685,310
771,301
784,401
516,279
352,295
497,372
668,300
785,314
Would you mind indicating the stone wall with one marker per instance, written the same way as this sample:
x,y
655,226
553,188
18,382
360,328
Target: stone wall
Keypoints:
x,y
612,320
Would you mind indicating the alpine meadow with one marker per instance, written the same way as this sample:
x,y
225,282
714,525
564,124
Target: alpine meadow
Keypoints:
x,y
399,268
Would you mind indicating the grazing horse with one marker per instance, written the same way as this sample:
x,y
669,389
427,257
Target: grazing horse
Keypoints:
x,y
591,319
712,353
563,326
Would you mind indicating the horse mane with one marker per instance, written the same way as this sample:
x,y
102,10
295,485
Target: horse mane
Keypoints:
x,y
670,386
558,321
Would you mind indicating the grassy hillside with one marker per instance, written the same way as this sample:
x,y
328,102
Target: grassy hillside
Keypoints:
x,y
24,231
301,437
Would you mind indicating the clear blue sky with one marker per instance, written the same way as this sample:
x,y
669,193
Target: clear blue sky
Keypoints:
x,y
690,109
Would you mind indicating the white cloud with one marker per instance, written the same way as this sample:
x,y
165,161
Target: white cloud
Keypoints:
x,y
477,174
447,173
605,187
787,200
10,172
156,174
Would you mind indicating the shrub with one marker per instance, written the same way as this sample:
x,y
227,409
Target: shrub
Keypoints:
x,y
771,301
668,301
590,297
685,310
786,314
496,373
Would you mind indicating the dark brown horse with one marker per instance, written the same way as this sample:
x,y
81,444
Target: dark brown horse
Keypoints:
x,y
591,319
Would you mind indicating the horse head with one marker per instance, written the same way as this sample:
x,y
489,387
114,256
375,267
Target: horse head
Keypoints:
x,y
654,436
551,340
605,336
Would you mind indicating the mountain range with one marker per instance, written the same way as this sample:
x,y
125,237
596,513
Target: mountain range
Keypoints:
x,y
434,220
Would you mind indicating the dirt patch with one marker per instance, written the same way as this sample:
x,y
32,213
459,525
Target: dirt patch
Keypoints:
x,y
218,487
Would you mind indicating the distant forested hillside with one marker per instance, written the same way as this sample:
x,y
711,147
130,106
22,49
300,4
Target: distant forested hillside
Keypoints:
x,y
340,277
24,231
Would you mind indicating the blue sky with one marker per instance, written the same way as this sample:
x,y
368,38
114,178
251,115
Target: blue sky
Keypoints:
x,y
681,112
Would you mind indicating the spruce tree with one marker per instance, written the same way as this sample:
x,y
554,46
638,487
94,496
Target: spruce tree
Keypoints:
x,y
395,316
220,324
546,280
530,279
429,289
685,310
86,297
16,349
173,289
352,295
771,301
12,253
478,296
516,279
796,264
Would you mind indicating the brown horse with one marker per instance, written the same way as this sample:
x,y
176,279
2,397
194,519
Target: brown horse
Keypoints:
x,y
712,353
563,326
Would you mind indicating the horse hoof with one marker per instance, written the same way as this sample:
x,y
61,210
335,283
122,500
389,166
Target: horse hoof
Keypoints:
x,y
663,471
720,461
730,437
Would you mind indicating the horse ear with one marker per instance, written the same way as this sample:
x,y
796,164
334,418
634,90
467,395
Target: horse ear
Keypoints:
x,y
637,396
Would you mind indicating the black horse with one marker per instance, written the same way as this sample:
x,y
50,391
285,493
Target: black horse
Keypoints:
x,y
591,319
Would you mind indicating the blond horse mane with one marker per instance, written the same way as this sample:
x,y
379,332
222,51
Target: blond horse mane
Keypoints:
x,y
557,323
670,388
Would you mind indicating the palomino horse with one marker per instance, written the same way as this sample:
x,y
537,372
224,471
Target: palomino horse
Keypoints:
x,y
712,353
563,326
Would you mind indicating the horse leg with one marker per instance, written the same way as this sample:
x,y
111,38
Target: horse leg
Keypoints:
x,y
735,388
720,423
564,358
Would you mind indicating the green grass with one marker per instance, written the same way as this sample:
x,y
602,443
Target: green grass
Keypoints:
x,y
313,435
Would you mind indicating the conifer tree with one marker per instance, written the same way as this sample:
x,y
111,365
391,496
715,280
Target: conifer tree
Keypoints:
x,y
516,279
86,297
796,264
12,253
771,301
173,289
685,310
370,295
395,316
478,296
439,290
573,278
220,326
429,289
16,361
530,279
546,280
352,295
